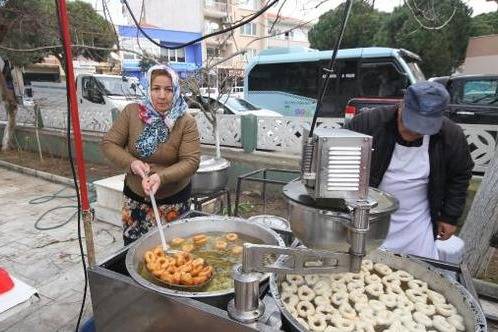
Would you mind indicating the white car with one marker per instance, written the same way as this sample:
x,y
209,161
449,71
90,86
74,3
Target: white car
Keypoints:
x,y
238,106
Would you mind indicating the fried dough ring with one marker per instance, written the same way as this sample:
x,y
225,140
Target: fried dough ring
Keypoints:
x,y
149,257
177,241
221,245
231,237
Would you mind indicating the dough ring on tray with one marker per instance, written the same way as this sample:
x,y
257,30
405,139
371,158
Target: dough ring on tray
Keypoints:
x,y
384,317
311,279
338,287
359,306
426,309
422,319
295,279
355,285
347,311
358,295
402,315
305,309
403,276
382,269
404,304
441,324
289,298
413,326
373,279
391,280
368,264
322,288
416,295
363,326
417,284
317,322
305,293
446,310
337,277
321,300
374,290
457,321
435,297
325,309
339,297
341,325
288,287
376,305
390,300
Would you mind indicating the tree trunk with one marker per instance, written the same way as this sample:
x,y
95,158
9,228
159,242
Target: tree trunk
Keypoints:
x,y
482,220
9,100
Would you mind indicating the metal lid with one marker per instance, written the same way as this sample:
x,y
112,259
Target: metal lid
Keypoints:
x,y
386,203
212,164
271,221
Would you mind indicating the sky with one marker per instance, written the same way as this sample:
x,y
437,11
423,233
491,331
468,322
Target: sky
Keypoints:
x,y
292,7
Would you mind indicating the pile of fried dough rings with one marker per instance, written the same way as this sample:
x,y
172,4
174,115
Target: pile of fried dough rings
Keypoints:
x,y
177,269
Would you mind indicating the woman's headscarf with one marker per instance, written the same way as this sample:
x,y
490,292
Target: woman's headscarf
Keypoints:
x,y
157,125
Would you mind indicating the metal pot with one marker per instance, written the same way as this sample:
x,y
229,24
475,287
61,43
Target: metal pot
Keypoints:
x,y
188,227
321,228
454,292
211,176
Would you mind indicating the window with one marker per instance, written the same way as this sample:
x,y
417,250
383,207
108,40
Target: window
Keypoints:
x,y
174,55
247,4
342,86
212,52
381,79
248,29
478,92
138,45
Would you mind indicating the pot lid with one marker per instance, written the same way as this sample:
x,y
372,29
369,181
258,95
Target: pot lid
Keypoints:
x,y
386,203
212,164
271,221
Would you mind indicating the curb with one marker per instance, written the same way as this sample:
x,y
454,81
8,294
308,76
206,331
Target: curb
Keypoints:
x,y
38,174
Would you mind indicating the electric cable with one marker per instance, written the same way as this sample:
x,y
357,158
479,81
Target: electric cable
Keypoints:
x,y
241,23
328,71
75,180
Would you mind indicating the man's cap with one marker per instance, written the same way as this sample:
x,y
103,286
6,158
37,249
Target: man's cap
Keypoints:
x,y
424,104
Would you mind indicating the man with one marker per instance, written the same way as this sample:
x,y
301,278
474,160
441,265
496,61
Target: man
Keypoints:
x,y
423,159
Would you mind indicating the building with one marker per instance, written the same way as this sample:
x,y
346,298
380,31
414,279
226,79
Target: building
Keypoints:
x,y
482,55
159,20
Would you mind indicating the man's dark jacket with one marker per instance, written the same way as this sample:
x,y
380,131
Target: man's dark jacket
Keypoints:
x,y
450,161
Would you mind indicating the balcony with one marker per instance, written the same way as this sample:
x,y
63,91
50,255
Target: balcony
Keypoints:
x,y
215,9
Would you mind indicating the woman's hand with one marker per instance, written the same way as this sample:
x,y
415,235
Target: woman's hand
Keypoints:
x,y
151,184
138,167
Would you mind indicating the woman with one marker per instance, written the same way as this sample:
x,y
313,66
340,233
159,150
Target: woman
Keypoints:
x,y
157,143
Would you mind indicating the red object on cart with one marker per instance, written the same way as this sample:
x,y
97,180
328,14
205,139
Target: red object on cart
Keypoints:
x,y
6,283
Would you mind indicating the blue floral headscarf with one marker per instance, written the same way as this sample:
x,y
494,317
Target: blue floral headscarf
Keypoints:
x,y
158,125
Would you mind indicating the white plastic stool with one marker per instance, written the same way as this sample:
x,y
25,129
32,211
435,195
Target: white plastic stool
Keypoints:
x,y
451,250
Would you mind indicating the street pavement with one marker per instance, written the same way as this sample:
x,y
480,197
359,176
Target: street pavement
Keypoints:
x,y
48,260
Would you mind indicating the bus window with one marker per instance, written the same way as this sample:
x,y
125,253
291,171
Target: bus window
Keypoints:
x,y
295,78
342,86
381,79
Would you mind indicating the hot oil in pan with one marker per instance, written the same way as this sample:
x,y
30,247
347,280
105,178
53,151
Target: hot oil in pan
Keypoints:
x,y
221,259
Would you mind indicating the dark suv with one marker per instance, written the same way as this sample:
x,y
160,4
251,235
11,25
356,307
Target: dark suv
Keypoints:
x,y
474,98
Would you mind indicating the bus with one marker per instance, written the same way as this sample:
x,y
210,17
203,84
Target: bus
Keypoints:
x,y
288,80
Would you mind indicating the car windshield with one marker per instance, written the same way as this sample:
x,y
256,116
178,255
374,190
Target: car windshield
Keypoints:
x,y
417,72
239,105
116,86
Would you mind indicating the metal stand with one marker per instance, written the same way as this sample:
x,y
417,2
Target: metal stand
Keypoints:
x,y
245,307
251,177
200,198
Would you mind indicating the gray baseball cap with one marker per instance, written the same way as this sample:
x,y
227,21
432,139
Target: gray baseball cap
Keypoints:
x,y
424,104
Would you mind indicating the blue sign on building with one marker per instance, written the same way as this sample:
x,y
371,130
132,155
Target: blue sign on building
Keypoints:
x,y
184,61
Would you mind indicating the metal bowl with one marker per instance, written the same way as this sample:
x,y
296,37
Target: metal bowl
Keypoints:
x,y
211,176
454,292
186,228
321,228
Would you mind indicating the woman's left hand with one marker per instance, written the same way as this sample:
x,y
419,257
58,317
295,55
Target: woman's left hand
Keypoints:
x,y
150,184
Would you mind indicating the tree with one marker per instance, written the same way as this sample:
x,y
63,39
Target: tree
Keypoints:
x,y
33,23
362,26
441,41
484,24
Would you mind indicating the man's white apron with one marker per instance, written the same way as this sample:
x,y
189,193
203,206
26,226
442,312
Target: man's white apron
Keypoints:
x,y
407,178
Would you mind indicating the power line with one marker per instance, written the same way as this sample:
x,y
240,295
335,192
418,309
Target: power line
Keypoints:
x,y
256,15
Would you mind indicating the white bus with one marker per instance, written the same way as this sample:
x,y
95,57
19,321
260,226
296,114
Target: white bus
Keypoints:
x,y
288,80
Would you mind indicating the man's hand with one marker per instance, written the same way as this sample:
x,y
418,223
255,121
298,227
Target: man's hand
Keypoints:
x,y
445,230
138,167
151,184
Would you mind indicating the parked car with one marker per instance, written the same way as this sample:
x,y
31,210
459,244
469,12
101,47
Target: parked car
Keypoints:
x,y
234,105
474,98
